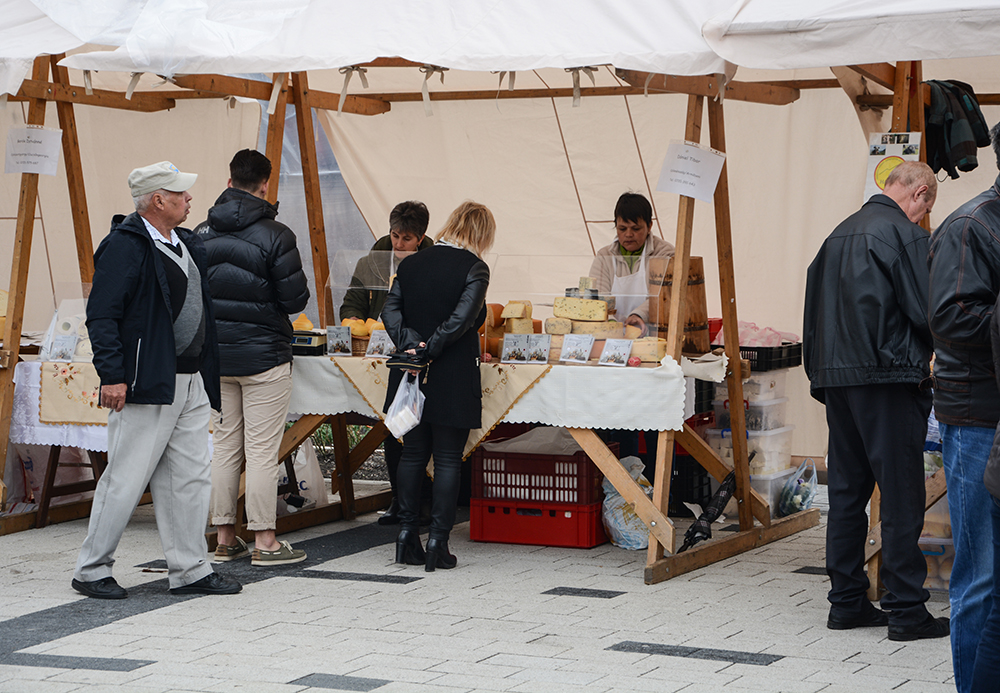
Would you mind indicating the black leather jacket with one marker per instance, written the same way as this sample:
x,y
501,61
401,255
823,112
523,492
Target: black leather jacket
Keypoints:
x,y
965,279
865,319
992,475
256,278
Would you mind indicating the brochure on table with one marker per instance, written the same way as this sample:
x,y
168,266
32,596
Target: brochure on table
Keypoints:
x,y
338,340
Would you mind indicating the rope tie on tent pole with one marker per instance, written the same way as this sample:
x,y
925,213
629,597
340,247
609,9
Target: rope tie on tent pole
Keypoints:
x,y
576,81
132,84
88,85
645,86
163,80
272,104
429,71
348,72
510,82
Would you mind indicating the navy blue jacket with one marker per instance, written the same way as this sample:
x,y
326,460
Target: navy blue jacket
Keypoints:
x,y
130,320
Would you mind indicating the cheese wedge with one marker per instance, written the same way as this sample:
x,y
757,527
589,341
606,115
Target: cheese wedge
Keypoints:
x,y
519,326
649,349
517,309
580,309
632,332
587,283
608,329
558,326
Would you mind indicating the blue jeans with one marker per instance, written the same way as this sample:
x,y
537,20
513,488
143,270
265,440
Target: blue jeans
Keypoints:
x,y
966,450
987,670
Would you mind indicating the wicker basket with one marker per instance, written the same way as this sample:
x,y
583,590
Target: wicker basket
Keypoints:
x,y
359,345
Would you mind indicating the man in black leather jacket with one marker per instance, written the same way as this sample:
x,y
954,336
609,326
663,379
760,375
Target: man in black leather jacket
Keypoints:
x,y
256,279
866,348
965,279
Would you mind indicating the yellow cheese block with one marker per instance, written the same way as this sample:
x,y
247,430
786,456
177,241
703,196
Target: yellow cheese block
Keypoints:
x,y
519,326
608,329
517,309
580,309
558,326
649,349
632,332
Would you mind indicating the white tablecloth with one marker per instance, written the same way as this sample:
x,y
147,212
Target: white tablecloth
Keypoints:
x,y
25,426
574,396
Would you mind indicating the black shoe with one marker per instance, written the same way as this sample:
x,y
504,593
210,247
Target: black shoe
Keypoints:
x,y
424,518
213,583
105,588
408,548
930,627
438,556
391,515
868,617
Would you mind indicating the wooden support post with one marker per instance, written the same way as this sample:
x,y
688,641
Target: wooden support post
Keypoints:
x,y
74,176
18,283
675,327
341,453
314,198
276,134
901,97
730,321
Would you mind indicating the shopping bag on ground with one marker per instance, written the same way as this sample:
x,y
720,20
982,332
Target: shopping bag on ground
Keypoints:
x,y
624,528
799,491
406,408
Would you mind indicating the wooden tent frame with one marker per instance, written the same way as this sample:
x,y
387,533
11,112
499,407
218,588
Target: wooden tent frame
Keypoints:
x,y
662,562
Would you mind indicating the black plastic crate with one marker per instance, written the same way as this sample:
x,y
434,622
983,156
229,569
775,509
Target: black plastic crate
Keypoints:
x,y
704,394
771,358
690,483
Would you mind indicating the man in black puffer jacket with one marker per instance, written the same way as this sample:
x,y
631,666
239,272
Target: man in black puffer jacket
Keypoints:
x,y
256,279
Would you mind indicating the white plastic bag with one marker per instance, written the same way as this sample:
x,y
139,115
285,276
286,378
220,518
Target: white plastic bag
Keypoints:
x,y
406,408
312,484
622,525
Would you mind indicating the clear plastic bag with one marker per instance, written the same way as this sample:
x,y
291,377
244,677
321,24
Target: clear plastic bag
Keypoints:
x,y
799,491
407,407
624,528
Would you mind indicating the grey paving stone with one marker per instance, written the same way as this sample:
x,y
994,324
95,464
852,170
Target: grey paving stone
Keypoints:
x,y
340,683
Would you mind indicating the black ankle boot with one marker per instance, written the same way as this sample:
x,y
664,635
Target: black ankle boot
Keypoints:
x,y
390,516
408,548
438,555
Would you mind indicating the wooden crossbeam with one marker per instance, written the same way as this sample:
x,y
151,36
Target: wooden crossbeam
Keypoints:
x,y
50,91
883,74
710,86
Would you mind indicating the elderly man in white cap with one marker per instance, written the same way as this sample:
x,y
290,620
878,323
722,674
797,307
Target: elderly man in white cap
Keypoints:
x,y
150,322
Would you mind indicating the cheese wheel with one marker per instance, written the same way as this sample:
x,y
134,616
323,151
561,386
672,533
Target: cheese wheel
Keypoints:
x,y
558,326
519,326
609,329
493,314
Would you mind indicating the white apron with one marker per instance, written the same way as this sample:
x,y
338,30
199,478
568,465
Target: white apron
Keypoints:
x,y
631,291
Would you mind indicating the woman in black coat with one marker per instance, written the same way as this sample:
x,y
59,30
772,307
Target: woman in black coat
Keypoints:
x,y
434,308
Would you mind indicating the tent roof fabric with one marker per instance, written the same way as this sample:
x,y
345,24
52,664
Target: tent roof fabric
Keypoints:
x,y
785,34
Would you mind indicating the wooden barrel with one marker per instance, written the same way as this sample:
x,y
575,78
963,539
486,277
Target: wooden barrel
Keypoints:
x,y
661,279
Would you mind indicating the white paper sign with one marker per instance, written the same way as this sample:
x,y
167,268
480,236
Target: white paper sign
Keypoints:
x,y
886,151
33,150
691,169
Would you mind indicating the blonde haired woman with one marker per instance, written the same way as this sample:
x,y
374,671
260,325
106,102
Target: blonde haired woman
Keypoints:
x,y
434,308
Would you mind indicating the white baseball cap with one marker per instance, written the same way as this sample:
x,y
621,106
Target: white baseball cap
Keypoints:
x,y
163,175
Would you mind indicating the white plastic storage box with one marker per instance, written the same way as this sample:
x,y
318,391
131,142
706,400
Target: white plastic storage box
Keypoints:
x,y
769,486
773,448
762,415
760,386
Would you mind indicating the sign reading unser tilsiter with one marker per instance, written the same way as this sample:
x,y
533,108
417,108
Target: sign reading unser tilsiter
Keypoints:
x,y
33,150
691,169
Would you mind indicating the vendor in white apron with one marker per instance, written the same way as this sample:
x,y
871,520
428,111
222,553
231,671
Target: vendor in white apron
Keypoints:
x,y
621,268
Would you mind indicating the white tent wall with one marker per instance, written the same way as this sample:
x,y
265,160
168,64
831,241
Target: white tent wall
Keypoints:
x,y
198,136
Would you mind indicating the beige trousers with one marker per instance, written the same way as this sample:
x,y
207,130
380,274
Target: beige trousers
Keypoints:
x,y
254,409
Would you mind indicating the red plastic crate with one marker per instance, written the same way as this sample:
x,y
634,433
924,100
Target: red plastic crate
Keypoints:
x,y
537,478
539,524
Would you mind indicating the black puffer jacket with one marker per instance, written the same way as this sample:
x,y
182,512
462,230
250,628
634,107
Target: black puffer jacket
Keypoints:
x,y
965,279
866,302
256,278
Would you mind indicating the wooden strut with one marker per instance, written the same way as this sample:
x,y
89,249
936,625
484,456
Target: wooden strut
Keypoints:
x,y
18,282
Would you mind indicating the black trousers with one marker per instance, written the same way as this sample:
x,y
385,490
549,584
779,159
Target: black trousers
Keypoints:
x,y
446,443
393,453
877,434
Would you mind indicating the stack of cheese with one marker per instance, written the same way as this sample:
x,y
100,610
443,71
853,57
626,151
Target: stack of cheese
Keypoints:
x,y
517,318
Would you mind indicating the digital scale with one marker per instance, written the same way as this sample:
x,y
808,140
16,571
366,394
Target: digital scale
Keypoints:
x,y
308,343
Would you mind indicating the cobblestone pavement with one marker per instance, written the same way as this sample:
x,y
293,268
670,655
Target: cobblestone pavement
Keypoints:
x,y
508,618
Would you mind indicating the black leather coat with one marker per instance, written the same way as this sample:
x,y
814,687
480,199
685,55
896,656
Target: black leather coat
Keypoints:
x,y
256,279
992,475
865,317
965,280
439,297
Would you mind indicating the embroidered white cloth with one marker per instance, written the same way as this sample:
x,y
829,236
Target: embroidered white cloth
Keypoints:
x,y
25,426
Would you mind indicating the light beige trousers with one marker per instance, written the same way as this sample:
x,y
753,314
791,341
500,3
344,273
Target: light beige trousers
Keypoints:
x,y
254,409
